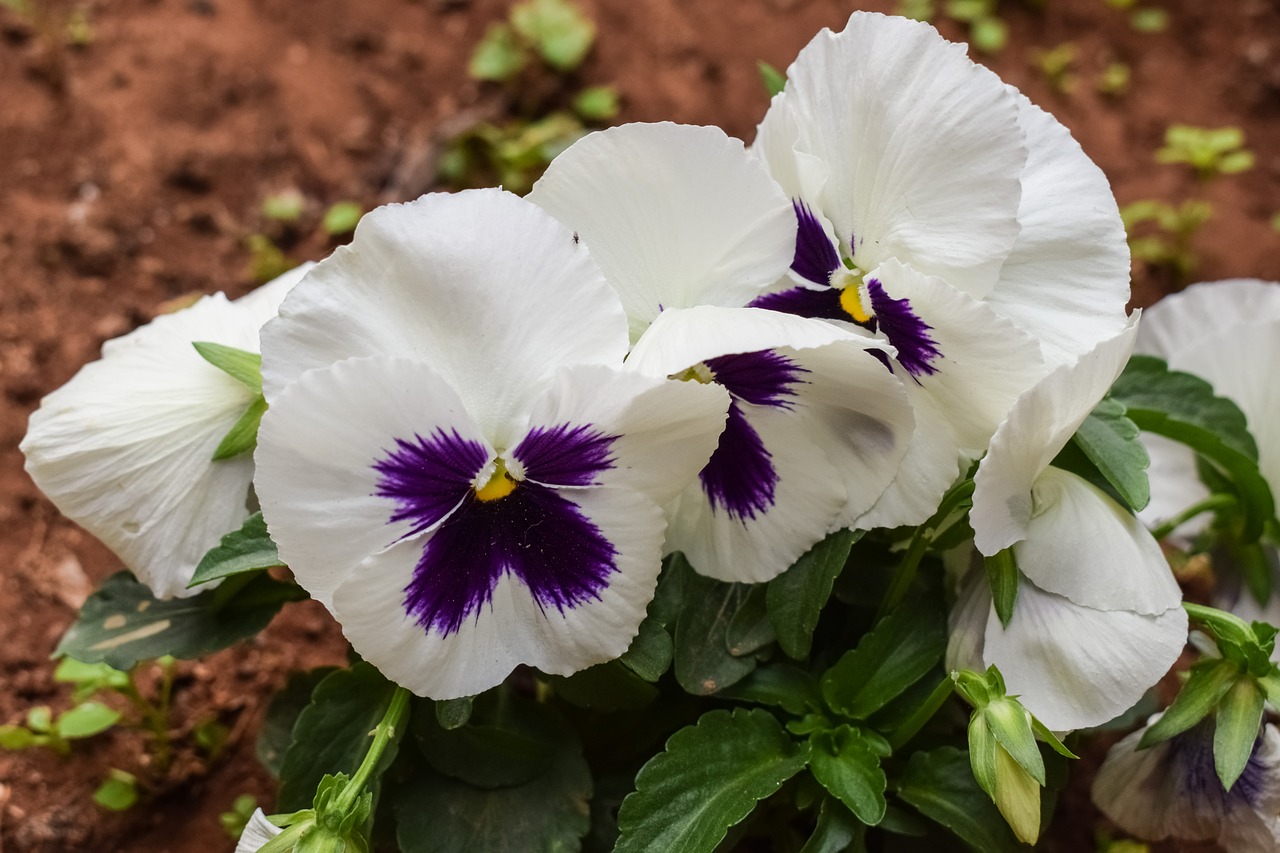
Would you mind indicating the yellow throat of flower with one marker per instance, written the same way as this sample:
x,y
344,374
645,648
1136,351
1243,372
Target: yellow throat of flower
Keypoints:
x,y
500,484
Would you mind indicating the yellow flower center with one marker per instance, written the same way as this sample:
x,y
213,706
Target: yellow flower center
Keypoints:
x,y
849,282
698,373
500,484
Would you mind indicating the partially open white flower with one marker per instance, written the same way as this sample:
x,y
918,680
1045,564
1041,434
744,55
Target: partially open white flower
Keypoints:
x,y
257,832
1097,620
689,229
1171,790
125,448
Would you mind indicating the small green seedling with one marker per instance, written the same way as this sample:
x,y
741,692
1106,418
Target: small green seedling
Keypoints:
x,y
92,679
987,32
1114,80
556,31
512,155
1160,234
1056,66
919,10
79,28
597,104
118,792
285,206
341,218
1149,20
237,817
42,729
266,259
1210,151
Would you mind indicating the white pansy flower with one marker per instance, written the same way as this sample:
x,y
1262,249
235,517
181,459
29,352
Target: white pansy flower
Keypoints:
x,y
125,448
1171,790
1097,619
257,832
941,210
455,462
689,229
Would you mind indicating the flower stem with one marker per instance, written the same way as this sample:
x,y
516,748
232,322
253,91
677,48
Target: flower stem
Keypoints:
x,y
383,734
921,715
1209,504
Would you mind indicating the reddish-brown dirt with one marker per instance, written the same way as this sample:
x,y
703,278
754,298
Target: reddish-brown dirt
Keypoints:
x,y
133,168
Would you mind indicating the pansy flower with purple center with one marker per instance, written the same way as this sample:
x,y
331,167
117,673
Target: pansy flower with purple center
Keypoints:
x,y
455,462
689,229
942,211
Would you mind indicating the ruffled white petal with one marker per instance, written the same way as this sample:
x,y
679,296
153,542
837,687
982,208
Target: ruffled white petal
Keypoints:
x,y
316,450
675,215
778,146
921,145
513,629
1084,546
1205,311
1039,425
485,287
1066,282
125,448
665,429
257,832
1075,666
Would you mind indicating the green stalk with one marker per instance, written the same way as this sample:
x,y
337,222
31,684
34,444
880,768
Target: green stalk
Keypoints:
x,y
383,734
921,715
1209,504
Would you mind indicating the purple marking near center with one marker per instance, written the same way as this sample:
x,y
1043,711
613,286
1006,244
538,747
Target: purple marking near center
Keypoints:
x,y
917,350
535,533
740,477
815,258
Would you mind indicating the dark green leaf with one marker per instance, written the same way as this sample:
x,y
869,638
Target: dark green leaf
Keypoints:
x,y
710,777
796,597
452,713
546,814
1002,577
750,629
836,830
1210,680
242,366
780,685
1183,407
245,550
651,651
507,741
1236,730
703,663
243,435
608,686
848,766
123,623
940,785
334,732
774,80
277,728
86,720
894,655
1110,440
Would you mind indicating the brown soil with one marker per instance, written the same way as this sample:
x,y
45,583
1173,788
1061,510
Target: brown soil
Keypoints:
x,y
133,168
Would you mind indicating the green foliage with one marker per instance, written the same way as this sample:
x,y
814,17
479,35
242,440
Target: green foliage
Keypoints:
x,y
286,206
1210,151
244,367
341,218
709,777
795,598
248,549
597,103
42,729
282,714
774,80
652,650
118,792
704,663
1110,440
79,28
847,763
1002,577
512,154
499,56
919,10
940,785
1160,234
987,32
123,623
1149,20
266,260
1057,66
554,30
1114,79
233,820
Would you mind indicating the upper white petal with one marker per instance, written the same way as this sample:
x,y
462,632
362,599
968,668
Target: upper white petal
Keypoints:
x,y
1074,666
1066,282
1203,311
1082,545
488,289
675,215
1039,425
922,147
125,448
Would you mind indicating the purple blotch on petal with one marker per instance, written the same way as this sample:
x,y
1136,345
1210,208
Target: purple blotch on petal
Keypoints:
x,y
535,534
821,304
815,257
428,477
761,378
917,350
564,455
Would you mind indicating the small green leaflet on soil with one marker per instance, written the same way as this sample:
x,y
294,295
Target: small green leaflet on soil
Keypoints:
x,y
123,623
709,777
248,549
796,597
557,29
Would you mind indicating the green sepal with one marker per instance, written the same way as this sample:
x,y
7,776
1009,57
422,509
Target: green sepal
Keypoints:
x,y
1239,719
774,80
243,366
243,435
1208,683
1002,577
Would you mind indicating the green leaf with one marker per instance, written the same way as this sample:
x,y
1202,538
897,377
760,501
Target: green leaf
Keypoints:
x,y
282,714
16,737
848,766
549,812
40,719
651,651
774,80
86,720
900,650
341,218
1183,407
243,435
118,793
284,206
989,34
749,630
835,831
796,597
1209,682
123,623
89,678
244,367
508,741
1236,730
597,103
780,685
333,733
558,30
248,549
709,777
452,713
940,785
1111,442
703,663
608,686
499,57
1002,577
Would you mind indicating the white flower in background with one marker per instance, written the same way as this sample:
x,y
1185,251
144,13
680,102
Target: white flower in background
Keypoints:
x,y
943,211
689,229
455,462
125,449
257,832
1097,620
1171,790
